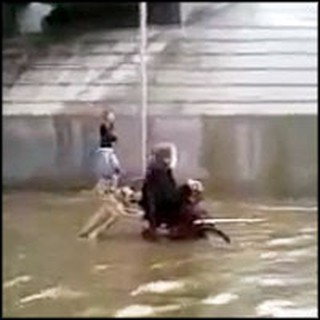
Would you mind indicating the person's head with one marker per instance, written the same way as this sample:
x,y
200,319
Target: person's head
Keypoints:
x,y
165,153
108,117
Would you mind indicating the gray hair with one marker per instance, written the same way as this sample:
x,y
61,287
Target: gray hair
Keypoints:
x,y
168,148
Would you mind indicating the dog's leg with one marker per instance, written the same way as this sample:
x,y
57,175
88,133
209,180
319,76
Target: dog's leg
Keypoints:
x,y
106,225
97,219
117,211
133,212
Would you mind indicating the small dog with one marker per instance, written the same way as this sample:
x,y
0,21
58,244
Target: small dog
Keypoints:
x,y
116,203
191,222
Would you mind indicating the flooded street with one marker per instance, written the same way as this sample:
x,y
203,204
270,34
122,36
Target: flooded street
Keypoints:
x,y
270,269
235,89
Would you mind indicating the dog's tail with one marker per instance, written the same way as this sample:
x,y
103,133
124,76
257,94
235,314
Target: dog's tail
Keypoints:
x,y
209,227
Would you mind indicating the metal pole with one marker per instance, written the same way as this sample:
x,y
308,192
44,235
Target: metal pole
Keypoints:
x,y
144,97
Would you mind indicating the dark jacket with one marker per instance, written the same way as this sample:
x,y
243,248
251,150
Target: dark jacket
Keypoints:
x,y
159,194
107,137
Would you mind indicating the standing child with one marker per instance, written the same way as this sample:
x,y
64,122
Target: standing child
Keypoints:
x,y
108,165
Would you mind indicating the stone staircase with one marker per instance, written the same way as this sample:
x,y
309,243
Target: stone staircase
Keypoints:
x,y
230,64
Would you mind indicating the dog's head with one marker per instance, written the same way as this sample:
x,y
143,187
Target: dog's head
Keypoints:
x,y
196,188
195,185
127,195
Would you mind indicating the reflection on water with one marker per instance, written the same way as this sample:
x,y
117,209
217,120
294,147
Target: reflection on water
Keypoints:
x,y
269,269
222,298
53,293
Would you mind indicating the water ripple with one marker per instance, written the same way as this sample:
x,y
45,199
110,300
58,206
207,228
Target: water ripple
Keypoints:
x,y
222,298
273,280
53,293
140,310
158,287
16,281
287,241
93,312
284,308
286,208
100,267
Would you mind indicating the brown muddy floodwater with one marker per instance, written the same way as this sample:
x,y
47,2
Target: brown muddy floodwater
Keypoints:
x,y
270,269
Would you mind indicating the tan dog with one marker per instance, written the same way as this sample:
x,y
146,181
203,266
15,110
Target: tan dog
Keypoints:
x,y
116,203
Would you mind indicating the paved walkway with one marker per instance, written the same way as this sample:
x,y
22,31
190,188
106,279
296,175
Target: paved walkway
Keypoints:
x,y
249,58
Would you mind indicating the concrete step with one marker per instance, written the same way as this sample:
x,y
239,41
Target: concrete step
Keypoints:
x,y
133,108
130,74
164,93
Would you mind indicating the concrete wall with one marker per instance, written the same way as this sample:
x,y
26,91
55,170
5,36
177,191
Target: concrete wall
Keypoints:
x,y
267,156
59,150
259,156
